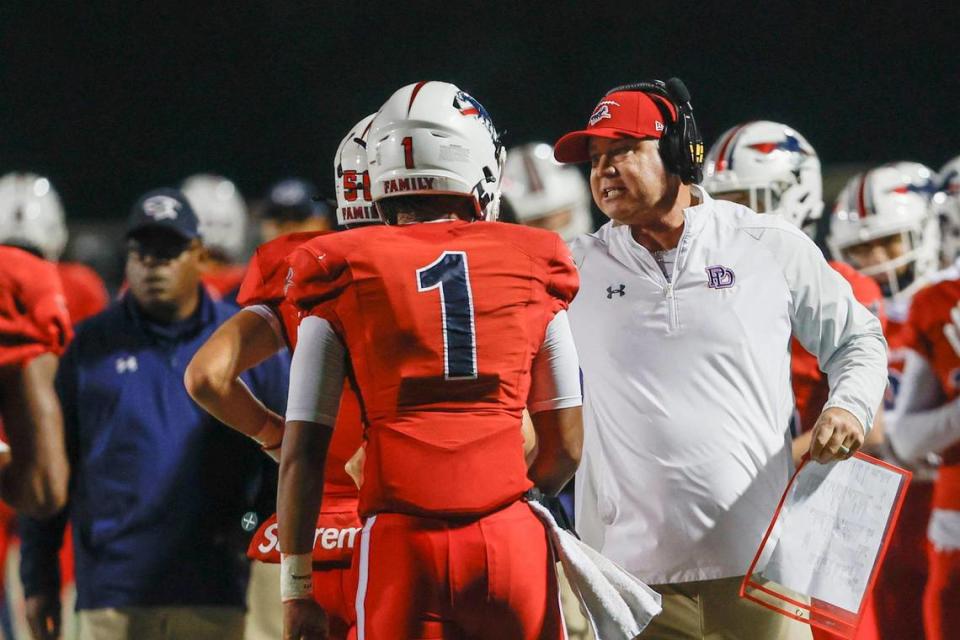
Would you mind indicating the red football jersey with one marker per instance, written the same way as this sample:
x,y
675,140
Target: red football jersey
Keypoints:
x,y
442,321
810,387
265,283
221,281
84,289
923,333
33,311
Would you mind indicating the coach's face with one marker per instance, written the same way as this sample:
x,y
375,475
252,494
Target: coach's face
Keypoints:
x,y
628,179
163,271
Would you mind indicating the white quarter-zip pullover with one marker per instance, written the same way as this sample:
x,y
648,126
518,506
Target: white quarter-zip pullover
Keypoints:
x,y
687,395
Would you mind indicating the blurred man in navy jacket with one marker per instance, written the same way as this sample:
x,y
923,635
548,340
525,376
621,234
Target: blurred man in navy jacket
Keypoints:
x,y
158,488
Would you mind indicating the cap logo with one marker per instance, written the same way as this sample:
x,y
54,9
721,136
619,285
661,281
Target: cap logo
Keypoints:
x,y
658,125
161,208
602,111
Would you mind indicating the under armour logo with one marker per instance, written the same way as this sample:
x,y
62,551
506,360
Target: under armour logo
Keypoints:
x,y
611,291
126,364
720,277
161,208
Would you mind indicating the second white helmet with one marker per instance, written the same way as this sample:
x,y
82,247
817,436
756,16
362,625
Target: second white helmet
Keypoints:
x,y
946,206
537,186
221,211
352,177
890,200
773,166
433,138
31,214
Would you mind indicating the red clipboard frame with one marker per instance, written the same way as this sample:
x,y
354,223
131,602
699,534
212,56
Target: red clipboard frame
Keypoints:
x,y
818,613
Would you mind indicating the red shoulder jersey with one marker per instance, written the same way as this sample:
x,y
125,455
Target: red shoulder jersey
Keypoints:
x,y
266,280
86,294
441,321
222,281
929,313
264,284
33,312
810,387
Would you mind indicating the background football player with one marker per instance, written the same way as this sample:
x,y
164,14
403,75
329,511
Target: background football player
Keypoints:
x,y
32,217
882,226
543,193
292,206
946,205
223,225
928,421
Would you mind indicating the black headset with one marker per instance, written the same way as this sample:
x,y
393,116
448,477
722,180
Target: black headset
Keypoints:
x,y
681,146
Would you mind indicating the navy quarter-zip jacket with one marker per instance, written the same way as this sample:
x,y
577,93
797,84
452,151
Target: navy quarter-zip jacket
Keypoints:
x,y
158,487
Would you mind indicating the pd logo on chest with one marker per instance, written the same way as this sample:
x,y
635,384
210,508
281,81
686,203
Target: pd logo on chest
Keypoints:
x,y
720,277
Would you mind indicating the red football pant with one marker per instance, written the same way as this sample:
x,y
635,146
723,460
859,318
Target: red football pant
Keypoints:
x,y
429,578
335,590
898,593
941,599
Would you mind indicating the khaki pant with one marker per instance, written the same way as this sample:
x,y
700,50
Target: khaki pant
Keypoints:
x,y
575,620
264,609
714,610
162,623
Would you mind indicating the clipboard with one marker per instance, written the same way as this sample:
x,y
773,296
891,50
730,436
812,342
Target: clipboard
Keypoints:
x,y
821,554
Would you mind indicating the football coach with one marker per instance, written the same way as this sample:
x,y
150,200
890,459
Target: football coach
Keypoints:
x,y
683,326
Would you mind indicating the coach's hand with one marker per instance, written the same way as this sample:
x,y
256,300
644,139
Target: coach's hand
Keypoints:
x,y
836,436
304,620
43,616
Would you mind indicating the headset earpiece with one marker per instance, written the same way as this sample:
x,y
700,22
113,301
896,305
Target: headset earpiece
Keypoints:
x,y
681,146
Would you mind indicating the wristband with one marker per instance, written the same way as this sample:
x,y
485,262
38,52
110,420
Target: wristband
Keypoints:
x,y
296,576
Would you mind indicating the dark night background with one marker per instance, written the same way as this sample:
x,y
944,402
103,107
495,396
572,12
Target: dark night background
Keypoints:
x,y
111,99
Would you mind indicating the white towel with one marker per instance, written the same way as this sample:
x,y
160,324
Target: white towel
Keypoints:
x,y
618,605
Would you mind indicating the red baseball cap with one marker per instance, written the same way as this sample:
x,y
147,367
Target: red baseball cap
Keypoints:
x,y
622,114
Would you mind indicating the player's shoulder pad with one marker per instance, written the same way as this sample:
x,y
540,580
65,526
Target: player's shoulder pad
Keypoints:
x,y
938,296
266,274
864,287
319,268
37,306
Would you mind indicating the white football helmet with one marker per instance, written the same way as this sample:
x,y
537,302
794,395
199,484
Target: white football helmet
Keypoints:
x,y
536,186
431,138
886,201
352,178
771,167
946,206
31,214
221,211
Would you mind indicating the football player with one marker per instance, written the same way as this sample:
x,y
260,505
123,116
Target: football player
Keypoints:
x,y
543,193
927,422
447,323
268,323
32,217
223,227
946,203
882,226
34,330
